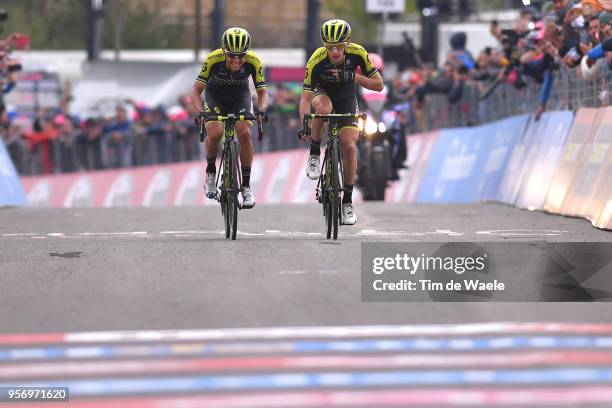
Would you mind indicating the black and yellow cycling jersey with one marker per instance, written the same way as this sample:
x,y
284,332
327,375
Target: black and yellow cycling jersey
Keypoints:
x,y
219,78
321,72
325,78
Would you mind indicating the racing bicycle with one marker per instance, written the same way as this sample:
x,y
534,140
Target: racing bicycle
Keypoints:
x,y
229,178
331,182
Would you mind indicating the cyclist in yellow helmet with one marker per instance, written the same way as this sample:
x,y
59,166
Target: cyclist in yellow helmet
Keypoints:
x,y
225,77
329,86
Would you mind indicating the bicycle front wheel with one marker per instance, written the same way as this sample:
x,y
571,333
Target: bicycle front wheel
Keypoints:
x,y
335,196
234,189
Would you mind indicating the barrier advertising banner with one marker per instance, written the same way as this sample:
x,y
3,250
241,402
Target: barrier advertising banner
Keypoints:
x,y
451,165
278,177
11,191
574,153
599,206
591,171
543,160
522,160
502,136
420,148
468,164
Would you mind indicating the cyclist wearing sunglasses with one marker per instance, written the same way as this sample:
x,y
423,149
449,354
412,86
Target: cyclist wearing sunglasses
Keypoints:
x,y
329,87
225,77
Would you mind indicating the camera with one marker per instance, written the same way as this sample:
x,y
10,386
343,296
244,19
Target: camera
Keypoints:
x,y
3,15
14,67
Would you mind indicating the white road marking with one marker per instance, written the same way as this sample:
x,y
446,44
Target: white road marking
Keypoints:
x,y
192,232
522,233
111,233
292,234
295,272
469,329
449,232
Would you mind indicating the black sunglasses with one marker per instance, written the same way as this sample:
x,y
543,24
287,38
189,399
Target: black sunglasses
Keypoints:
x,y
233,55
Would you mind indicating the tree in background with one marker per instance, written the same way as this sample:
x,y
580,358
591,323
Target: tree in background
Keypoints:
x,y
143,27
62,24
58,24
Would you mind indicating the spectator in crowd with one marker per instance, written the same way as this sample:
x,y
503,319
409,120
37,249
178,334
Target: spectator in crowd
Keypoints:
x,y
89,147
187,133
117,141
40,144
65,144
562,38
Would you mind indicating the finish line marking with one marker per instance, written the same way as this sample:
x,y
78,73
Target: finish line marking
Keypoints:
x,y
485,397
338,361
310,332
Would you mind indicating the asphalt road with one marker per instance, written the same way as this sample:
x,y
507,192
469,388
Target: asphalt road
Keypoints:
x,y
275,318
95,269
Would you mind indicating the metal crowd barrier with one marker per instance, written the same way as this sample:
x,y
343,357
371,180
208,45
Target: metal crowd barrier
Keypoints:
x,y
569,93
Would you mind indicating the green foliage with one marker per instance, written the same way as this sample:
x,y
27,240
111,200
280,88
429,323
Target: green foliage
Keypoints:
x,y
364,25
57,24
63,24
142,29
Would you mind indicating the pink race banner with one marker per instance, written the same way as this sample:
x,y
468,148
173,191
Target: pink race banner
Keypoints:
x,y
277,178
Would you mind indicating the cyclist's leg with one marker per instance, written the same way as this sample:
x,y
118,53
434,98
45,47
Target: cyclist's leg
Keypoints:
x,y
244,105
214,130
349,133
321,104
348,145
348,142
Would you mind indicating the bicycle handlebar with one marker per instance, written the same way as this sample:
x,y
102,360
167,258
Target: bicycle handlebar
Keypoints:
x,y
327,117
228,117
207,117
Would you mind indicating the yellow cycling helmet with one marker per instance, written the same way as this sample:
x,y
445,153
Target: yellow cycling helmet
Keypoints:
x,y
335,31
236,39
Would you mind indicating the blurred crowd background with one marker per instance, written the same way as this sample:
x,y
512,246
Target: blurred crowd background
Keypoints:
x,y
537,63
